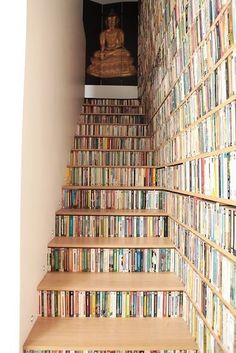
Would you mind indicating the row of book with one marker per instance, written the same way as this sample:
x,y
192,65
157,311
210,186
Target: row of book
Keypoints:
x,y
112,158
216,132
111,226
110,260
114,199
111,119
111,101
125,143
110,304
215,267
110,130
212,176
180,39
211,220
111,109
110,176
216,315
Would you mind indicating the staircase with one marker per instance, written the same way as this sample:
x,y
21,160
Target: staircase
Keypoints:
x,y
111,283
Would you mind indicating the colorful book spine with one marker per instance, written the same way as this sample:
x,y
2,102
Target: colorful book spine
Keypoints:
x,y
109,130
110,304
111,226
111,119
108,143
110,176
114,199
212,176
112,158
110,260
212,221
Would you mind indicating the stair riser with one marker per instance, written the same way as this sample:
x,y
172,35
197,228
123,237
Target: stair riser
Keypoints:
x,y
112,158
111,260
110,304
115,226
111,119
109,130
112,176
113,199
112,143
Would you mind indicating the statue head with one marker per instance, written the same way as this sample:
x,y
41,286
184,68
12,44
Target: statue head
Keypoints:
x,y
112,20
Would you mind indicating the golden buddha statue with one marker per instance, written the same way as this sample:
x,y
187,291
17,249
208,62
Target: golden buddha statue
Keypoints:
x,y
112,60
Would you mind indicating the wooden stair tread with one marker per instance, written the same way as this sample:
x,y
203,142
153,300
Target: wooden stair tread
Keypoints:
x,y
110,334
111,281
111,243
109,212
100,187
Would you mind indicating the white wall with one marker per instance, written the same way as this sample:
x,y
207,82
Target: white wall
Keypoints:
x,y
54,79
12,39
102,91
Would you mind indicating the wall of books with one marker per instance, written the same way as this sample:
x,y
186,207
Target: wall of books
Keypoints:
x,y
187,82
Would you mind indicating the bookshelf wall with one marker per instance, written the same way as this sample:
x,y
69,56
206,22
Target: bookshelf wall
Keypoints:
x,y
187,76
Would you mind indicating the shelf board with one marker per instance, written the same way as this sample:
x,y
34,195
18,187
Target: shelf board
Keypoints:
x,y
111,150
111,281
111,136
106,212
94,187
112,243
203,196
111,166
115,114
110,334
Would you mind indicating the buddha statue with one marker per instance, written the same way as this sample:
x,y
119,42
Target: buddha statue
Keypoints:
x,y
112,60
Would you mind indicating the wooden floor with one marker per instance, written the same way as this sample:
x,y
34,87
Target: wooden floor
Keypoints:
x,y
112,281
111,243
110,334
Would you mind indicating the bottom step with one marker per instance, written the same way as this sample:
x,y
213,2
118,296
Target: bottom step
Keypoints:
x,y
110,334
